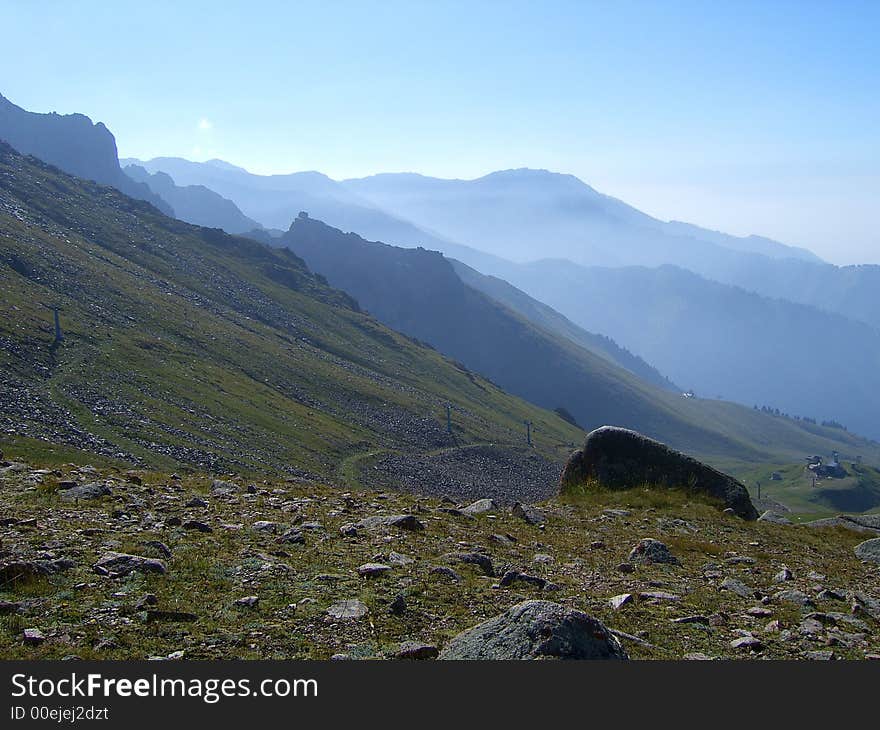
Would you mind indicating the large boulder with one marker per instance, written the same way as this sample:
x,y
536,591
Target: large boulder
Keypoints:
x,y
618,458
536,630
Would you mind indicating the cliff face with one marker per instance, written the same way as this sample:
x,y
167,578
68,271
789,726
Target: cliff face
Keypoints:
x,y
74,144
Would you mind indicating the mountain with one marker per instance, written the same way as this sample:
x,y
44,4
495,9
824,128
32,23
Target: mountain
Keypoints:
x,y
72,143
721,340
507,213
194,203
185,347
274,201
420,293
525,215
550,320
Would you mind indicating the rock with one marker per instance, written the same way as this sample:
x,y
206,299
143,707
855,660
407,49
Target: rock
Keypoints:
x,y
513,576
864,604
483,562
822,655
266,526
349,609
481,506
856,523
444,572
7,607
783,575
33,637
292,536
829,594
402,522
93,490
148,599
416,650
649,550
759,612
617,458
657,596
869,550
398,560
19,571
774,518
793,596
248,601
695,619
747,643
221,488
736,586
116,565
159,547
398,605
536,630
371,570
626,567
197,526
619,601
197,502
527,514
170,616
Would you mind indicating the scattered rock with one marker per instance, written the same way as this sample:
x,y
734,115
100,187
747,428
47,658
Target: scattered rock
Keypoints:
x,y
248,601
649,550
869,550
197,526
736,586
483,562
657,596
402,522
793,596
783,575
536,630
292,536
116,565
398,605
527,514
481,506
153,615
444,572
747,643
33,637
619,601
348,609
197,502
93,490
371,570
416,650
513,576
774,518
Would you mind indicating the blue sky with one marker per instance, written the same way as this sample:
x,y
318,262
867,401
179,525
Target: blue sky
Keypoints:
x,y
745,117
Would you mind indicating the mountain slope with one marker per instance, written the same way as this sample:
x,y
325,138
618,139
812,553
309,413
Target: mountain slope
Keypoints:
x,y
72,143
721,340
187,346
550,320
194,204
418,292
517,213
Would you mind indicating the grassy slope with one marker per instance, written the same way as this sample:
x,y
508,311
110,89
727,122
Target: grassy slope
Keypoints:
x,y
96,617
185,345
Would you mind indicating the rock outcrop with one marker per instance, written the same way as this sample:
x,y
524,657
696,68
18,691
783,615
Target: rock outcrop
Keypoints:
x,y
536,630
617,458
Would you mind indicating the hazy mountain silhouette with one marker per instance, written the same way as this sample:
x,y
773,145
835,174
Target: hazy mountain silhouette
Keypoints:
x,y
194,203
518,213
720,340
73,144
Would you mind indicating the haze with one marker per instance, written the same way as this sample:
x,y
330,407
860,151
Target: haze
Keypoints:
x,y
754,119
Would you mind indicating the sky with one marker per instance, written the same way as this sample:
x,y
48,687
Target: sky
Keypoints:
x,y
743,117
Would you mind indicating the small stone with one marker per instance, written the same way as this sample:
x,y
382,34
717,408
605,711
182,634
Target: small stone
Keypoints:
x,y
736,586
483,562
266,526
33,637
349,609
759,612
416,650
649,550
783,575
481,506
197,502
197,526
445,572
747,643
527,514
619,601
656,596
626,568
371,570
399,560
94,490
398,605
292,536
793,596
248,601
116,565
819,656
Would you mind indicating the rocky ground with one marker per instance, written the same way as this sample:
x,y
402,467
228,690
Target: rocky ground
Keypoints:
x,y
102,563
